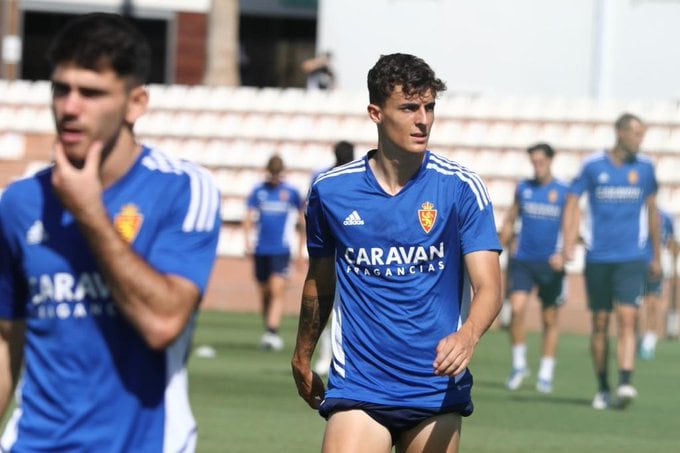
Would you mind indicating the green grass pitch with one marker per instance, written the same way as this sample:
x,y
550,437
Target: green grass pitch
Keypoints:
x,y
245,400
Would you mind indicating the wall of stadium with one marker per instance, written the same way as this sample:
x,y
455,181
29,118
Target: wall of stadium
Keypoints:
x,y
606,49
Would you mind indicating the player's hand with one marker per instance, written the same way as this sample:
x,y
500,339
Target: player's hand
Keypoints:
x,y
79,189
453,353
310,386
556,262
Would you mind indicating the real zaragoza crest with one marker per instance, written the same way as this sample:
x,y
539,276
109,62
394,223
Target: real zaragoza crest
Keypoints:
x,y
128,221
427,216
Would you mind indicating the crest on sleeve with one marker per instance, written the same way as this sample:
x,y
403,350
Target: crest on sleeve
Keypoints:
x,y
128,221
427,216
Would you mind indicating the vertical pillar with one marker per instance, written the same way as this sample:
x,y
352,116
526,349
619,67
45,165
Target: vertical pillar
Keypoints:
x,y
11,39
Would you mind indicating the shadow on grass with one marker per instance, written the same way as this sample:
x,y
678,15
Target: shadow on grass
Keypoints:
x,y
537,398
521,397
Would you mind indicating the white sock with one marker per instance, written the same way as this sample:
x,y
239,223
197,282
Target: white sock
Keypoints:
x,y
547,368
519,356
649,340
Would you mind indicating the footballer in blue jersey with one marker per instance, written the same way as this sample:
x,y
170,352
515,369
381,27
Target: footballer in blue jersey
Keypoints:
x,y
274,207
104,257
535,263
620,216
654,285
396,240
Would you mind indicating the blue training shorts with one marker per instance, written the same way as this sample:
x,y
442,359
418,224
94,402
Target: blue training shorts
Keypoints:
x,y
266,265
607,283
524,275
395,418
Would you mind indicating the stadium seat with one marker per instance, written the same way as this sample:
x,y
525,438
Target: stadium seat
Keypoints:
x,y
233,209
668,169
12,146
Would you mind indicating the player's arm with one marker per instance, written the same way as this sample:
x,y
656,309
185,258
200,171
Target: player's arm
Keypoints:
x,y
570,224
11,358
248,222
312,64
654,220
508,227
315,308
454,352
157,305
302,236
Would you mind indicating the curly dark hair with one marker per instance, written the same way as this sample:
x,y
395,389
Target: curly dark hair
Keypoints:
x,y
99,41
398,69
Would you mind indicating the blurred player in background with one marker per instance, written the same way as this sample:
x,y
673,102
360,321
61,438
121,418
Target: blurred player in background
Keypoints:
x,y
654,287
274,207
621,187
537,263
391,238
104,257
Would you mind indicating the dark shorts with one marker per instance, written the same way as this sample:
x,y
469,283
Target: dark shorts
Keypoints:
x,y
525,275
610,282
395,419
266,265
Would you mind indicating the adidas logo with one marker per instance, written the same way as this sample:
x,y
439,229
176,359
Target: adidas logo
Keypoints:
x,y
353,219
36,233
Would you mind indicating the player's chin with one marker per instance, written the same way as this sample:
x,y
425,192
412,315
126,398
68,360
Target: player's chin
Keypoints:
x,y
75,153
418,144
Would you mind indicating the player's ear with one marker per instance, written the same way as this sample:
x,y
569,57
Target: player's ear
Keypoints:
x,y
138,101
375,113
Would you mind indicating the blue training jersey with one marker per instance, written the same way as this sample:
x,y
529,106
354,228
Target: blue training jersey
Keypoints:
x,y
616,221
666,230
401,284
278,208
90,382
540,213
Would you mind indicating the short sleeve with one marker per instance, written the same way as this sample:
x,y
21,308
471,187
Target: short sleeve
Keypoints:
x,y
320,242
476,221
186,245
580,182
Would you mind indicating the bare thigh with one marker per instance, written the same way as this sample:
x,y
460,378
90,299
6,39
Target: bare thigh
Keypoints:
x,y
440,434
355,431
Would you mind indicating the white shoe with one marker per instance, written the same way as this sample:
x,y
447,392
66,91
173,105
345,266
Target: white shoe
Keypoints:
x,y
516,378
271,342
322,366
544,386
601,400
505,315
625,394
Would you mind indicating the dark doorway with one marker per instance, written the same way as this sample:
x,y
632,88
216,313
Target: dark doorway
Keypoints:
x,y
272,49
39,29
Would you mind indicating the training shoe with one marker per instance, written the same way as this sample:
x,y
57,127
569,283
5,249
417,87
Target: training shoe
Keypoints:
x,y
601,400
516,378
271,342
544,386
647,353
625,394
